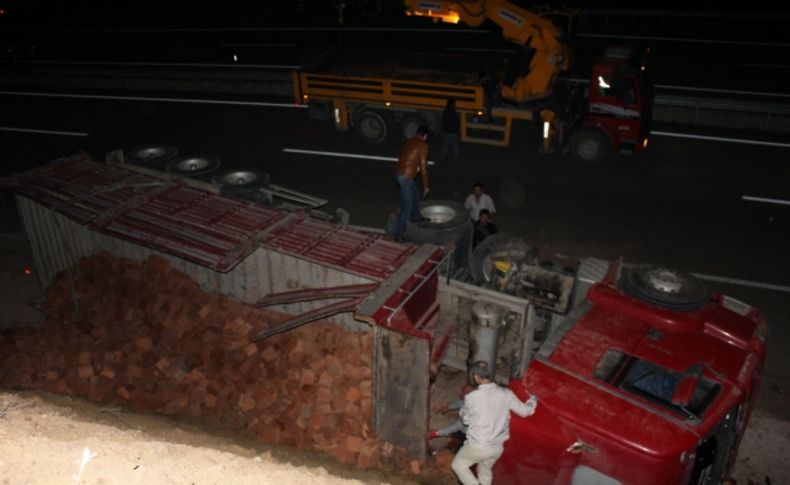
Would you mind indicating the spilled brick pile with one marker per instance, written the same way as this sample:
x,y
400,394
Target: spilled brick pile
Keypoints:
x,y
145,335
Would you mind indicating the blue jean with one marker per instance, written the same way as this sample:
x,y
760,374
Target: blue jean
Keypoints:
x,y
409,206
451,142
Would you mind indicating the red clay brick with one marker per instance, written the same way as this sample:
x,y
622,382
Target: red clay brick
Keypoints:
x,y
353,394
269,354
308,377
163,364
354,443
324,395
144,344
107,373
210,401
85,372
123,393
250,349
247,403
325,379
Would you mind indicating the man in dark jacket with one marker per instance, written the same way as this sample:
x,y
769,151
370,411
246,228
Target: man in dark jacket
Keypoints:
x,y
483,227
451,131
413,160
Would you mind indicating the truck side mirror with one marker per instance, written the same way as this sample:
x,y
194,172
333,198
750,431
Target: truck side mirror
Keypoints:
x,y
684,391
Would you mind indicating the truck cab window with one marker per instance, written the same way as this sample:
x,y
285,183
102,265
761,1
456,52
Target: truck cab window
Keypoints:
x,y
624,89
653,382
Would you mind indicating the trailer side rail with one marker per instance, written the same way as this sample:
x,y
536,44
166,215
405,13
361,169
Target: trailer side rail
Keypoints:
x,y
394,91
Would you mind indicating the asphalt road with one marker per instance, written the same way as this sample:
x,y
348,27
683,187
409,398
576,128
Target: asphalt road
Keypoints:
x,y
679,203
746,59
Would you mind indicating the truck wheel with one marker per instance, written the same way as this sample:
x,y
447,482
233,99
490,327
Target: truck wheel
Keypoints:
x,y
499,247
446,223
442,214
241,177
665,287
409,125
241,183
150,155
590,146
371,127
193,166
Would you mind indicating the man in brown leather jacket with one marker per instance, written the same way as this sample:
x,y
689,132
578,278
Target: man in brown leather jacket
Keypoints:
x,y
413,160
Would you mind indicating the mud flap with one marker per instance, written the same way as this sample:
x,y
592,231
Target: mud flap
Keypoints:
x,y
401,380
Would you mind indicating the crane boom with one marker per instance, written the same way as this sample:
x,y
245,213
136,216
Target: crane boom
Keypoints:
x,y
550,55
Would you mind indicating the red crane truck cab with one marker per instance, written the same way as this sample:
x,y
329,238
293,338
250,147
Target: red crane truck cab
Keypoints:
x,y
637,385
619,106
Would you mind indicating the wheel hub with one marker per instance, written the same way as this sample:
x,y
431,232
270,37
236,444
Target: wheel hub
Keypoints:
x,y
193,164
588,149
438,214
151,153
238,178
665,280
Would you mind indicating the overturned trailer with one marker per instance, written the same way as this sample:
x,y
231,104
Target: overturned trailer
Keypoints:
x,y
309,268
643,375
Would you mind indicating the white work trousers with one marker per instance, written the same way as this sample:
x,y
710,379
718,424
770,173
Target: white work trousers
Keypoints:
x,y
468,455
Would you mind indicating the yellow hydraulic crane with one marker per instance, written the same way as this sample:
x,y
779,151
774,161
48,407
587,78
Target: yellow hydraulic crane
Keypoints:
x,y
519,26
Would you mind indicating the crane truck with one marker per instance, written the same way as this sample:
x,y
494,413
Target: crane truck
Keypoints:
x,y
377,94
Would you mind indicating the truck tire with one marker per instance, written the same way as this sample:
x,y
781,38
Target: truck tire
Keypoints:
x,y
241,177
665,287
590,146
371,126
150,155
409,124
193,166
243,184
447,224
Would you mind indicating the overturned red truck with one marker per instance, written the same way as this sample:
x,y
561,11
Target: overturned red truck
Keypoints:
x,y
635,392
643,376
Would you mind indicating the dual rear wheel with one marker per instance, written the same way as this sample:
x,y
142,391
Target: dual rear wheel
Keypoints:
x,y
374,126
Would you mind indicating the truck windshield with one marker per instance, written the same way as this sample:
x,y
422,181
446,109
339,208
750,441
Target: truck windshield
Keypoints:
x,y
653,382
622,88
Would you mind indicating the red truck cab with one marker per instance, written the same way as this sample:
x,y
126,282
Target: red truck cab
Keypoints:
x,y
636,388
618,106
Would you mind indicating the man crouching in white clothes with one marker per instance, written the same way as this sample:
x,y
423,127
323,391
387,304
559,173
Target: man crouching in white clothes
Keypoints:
x,y
486,413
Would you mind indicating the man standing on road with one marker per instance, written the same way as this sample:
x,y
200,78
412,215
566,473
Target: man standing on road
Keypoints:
x,y
486,413
478,200
413,160
451,132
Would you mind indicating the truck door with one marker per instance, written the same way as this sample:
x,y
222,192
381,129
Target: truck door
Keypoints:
x,y
537,451
616,106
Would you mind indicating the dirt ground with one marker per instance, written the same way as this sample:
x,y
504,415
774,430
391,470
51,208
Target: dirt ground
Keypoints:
x,y
48,439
